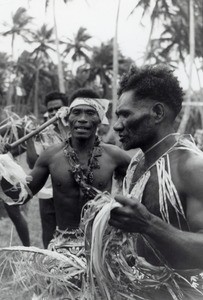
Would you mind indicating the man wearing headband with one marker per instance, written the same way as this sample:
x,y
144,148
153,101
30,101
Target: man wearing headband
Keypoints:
x,y
79,167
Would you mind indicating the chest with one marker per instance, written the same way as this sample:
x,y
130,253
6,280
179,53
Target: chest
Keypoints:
x,y
63,172
159,192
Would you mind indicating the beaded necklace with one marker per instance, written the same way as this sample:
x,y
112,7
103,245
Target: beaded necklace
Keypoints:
x,y
84,177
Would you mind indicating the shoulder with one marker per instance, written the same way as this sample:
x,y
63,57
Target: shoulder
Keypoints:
x,y
50,152
190,169
189,161
115,151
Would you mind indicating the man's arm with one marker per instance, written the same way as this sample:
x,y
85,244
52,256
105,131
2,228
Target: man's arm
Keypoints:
x,y
40,172
38,177
181,249
122,161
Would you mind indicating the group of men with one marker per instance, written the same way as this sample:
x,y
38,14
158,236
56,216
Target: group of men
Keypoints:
x,y
162,189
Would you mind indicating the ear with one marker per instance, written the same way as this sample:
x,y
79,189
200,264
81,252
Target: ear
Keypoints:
x,y
158,111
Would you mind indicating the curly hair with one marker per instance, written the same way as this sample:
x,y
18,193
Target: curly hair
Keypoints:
x,y
56,95
154,82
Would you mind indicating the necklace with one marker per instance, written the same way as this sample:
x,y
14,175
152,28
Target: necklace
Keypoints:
x,y
84,176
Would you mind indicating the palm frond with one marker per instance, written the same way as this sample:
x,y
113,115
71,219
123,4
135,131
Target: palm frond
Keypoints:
x,y
25,271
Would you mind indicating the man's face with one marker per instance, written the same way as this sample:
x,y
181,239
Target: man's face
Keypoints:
x,y
83,121
53,106
135,124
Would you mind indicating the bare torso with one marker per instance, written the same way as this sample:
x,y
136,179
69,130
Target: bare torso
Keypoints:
x,y
151,200
68,197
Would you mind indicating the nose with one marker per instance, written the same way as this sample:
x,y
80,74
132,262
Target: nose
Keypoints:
x,y
83,118
118,126
53,111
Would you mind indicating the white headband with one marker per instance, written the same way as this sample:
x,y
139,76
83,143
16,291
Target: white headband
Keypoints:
x,y
100,105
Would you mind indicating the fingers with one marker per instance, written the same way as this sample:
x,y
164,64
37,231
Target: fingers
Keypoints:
x,y
116,223
126,208
126,201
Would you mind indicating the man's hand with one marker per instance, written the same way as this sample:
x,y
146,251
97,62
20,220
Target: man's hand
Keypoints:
x,y
132,216
5,148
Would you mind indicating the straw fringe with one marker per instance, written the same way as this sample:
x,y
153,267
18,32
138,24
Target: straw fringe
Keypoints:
x,y
26,271
114,269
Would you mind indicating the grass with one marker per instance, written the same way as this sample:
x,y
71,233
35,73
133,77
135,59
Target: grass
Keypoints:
x,y
8,234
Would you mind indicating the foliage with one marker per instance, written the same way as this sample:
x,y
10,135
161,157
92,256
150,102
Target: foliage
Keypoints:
x,y
173,43
35,72
78,46
20,20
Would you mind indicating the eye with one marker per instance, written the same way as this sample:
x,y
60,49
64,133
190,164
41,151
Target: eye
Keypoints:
x,y
75,112
91,112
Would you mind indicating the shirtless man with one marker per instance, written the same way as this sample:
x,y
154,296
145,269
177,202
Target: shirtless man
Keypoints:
x,y
76,165
163,200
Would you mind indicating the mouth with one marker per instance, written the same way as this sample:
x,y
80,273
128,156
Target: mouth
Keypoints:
x,y
82,129
122,138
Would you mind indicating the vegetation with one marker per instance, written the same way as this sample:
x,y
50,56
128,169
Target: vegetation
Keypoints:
x,y
25,81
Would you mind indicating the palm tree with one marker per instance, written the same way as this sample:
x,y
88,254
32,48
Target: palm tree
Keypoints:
x,y
175,34
20,20
159,10
60,68
180,38
101,66
78,47
43,39
27,66
115,64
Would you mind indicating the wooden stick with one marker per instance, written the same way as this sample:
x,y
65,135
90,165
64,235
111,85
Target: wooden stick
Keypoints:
x,y
31,134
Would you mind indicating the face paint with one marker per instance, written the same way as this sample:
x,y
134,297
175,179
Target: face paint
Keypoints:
x,y
135,124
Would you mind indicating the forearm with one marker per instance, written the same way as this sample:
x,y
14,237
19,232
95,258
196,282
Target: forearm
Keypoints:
x,y
181,249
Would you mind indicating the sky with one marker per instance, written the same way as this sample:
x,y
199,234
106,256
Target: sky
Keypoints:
x,y
98,16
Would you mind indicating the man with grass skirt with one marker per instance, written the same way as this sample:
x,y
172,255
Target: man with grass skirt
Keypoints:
x,y
161,208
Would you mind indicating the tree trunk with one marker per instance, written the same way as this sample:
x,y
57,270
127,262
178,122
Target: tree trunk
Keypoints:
x,y
59,66
110,134
36,102
10,91
115,64
186,114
